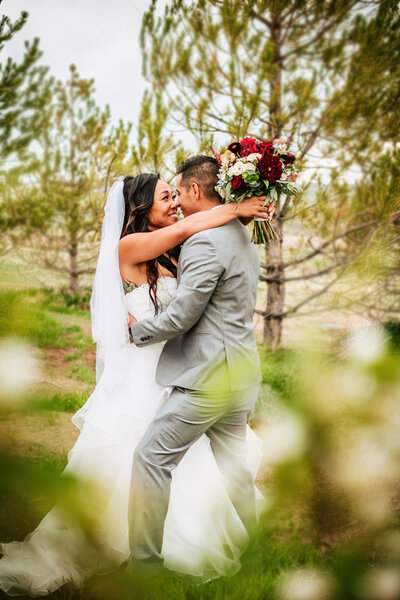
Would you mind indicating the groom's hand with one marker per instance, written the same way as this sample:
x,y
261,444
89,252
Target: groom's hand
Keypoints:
x,y
131,320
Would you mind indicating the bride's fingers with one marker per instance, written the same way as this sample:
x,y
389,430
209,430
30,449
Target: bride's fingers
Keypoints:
x,y
268,207
267,211
263,209
271,207
262,202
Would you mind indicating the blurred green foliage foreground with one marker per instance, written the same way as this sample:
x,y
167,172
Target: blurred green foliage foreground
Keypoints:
x,y
329,420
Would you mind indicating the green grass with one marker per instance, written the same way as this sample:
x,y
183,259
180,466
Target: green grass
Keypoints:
x,y
279,547
83,373
29,315
278,369
22,314
20,317
60,401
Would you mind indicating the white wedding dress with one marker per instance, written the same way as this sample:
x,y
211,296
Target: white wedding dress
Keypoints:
x,y
203,534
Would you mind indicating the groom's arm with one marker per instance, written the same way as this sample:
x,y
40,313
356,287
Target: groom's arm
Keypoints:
x,y
200,271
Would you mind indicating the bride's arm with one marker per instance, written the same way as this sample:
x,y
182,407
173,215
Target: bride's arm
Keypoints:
x,y
141,247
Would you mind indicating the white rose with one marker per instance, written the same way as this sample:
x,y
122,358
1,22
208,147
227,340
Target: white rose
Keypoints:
x,y
249,167
237,169
253,157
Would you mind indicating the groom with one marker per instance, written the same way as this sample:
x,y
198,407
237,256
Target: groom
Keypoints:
x,y
210,360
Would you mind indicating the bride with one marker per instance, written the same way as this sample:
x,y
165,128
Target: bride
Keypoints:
x,y
203,534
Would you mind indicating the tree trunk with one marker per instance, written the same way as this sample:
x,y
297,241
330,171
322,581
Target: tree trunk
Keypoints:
x,y
275,87
73,264
275,289
273,250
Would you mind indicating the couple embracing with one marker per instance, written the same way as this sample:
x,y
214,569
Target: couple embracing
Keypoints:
x,y
164,436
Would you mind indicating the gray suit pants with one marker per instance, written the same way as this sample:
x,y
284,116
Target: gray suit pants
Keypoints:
x,y
180,421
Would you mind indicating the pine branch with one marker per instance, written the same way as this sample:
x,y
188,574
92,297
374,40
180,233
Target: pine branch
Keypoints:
x,y
320,34
332,240
306,276
294,215
313,296
261,19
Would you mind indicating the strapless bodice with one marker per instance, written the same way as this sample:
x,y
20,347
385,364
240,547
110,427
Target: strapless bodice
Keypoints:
x,y
139,304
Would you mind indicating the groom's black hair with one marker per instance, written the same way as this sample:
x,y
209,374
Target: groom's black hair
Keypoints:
x,y
202,170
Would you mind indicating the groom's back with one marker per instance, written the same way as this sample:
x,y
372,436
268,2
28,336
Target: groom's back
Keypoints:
x,y
220,351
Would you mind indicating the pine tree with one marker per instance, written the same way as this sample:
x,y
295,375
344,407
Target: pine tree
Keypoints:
x,y
155,149
57,209
24,90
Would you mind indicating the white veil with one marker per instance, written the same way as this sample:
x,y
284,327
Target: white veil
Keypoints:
x,y
107,304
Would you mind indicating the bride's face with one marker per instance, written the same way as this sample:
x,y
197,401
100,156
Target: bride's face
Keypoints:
x,y
163,211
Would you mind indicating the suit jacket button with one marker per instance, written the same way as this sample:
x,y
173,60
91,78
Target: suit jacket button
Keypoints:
x,y
142,339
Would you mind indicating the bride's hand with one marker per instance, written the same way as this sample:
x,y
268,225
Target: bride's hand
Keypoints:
x,y
131,320
254,207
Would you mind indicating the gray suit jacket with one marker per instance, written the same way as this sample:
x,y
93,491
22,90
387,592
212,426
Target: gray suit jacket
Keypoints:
x,y
209,324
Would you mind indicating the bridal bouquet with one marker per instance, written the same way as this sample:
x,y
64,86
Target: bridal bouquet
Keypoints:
x,y
252,168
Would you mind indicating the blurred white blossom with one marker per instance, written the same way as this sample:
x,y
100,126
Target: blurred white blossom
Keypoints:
x,y
353,387
367,344
18,368
364,469
283,439
304,584
365,462
381,584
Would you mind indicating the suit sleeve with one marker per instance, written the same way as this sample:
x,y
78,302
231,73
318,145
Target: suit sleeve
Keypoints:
x,y
200,272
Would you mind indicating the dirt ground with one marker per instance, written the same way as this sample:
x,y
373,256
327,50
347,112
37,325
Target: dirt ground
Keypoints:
x,y
32,434
55,369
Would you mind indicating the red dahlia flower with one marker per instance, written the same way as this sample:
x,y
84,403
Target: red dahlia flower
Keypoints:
x,y
270,167
288,158
238,185
235,147
266,147
249,146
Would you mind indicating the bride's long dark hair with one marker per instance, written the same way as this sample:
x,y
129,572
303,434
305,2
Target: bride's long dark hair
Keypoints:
x,y
139,198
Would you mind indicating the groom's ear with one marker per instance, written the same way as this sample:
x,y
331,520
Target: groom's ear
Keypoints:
x,y
196,190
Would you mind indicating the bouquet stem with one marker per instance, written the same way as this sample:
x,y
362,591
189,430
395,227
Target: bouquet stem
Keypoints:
x,y
263,232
